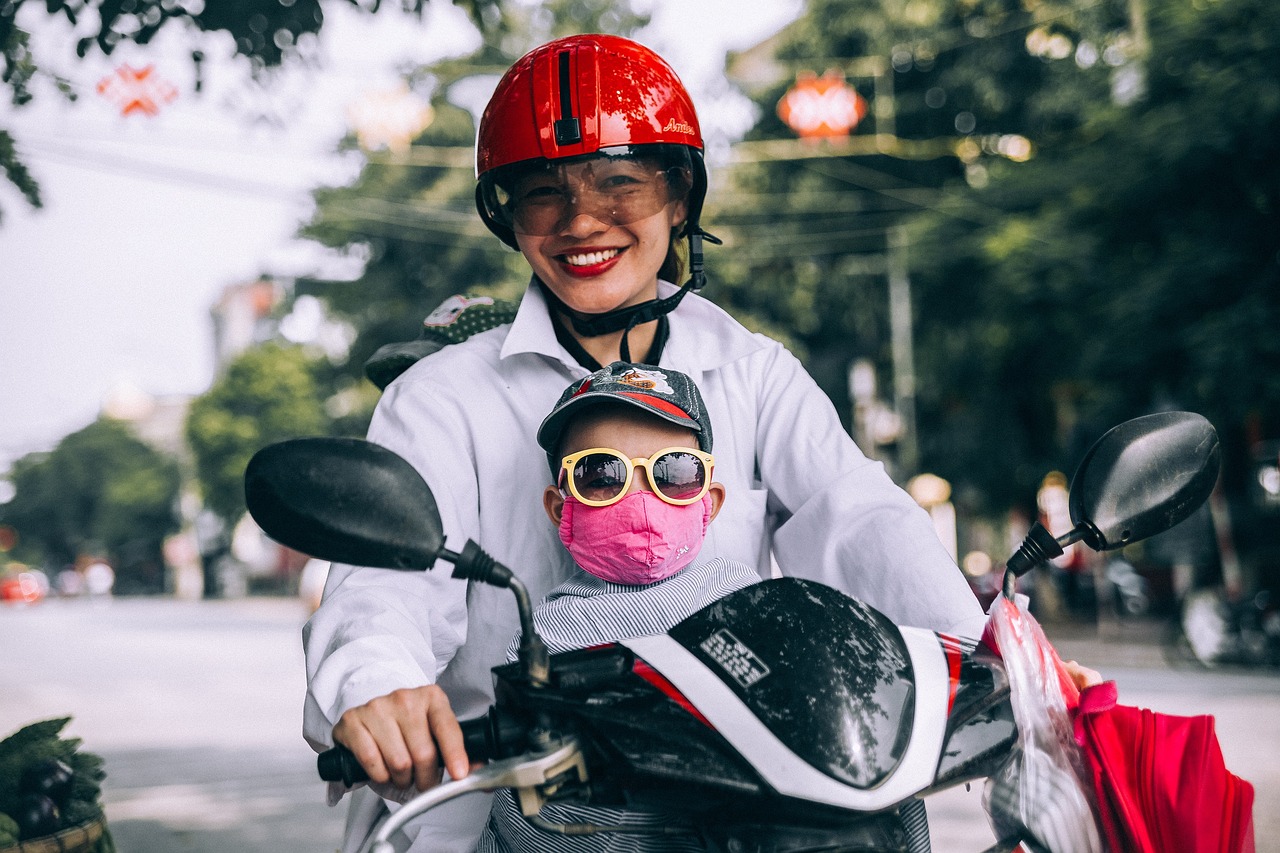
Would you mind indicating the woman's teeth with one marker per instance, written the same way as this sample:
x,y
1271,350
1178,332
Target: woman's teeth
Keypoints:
x,y
591,258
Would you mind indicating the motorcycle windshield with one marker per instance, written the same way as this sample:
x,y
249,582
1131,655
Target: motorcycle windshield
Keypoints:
x,y
829,676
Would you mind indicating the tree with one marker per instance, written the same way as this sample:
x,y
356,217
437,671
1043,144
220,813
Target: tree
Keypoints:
x,y
100,492
1131,265
267,394
266,32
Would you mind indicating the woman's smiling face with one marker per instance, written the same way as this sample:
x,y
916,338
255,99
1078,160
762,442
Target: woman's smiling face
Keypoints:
x,y
601,229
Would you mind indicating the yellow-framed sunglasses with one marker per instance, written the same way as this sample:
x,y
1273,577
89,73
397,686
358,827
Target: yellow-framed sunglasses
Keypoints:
x,y
601,476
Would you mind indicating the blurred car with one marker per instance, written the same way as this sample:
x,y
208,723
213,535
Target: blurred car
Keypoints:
x,y
23,587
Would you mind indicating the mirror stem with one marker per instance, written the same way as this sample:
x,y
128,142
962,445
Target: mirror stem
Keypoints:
x,y
474,564
1038,548
533,652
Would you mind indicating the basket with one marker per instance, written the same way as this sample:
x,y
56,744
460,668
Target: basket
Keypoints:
x,y
80,838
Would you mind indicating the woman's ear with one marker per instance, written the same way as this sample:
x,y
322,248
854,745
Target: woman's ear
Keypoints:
x,y
679,215
553,503
717,493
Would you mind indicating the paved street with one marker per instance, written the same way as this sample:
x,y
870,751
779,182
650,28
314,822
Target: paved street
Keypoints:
x,y
196,707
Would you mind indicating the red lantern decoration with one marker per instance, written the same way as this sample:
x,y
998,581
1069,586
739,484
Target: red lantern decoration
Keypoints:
x,y
823,106
137,90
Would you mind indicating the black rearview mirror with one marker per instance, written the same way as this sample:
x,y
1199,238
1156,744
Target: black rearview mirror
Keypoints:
x,y
1143,477
344,500
1140,478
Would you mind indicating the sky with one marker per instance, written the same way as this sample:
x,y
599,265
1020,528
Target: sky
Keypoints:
x,y
108,287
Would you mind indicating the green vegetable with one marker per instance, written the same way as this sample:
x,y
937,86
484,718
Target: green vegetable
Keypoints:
x,y
36,751
52,777
37,815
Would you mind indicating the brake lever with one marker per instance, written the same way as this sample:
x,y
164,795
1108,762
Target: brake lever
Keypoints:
x,y
533,778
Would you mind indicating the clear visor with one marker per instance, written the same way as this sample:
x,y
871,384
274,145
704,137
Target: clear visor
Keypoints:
x,y
615,186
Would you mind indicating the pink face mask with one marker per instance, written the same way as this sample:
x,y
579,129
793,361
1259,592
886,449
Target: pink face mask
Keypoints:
x,y
639,540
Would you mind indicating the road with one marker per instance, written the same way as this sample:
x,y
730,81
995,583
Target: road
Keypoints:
x,y
196,708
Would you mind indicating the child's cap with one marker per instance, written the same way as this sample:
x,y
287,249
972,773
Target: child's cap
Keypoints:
x,y
668,394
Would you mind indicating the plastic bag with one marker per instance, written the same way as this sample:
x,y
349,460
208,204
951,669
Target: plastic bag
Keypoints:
x,y
1043,789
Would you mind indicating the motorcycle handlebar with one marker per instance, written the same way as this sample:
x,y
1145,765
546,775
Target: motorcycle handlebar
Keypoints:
x,y
485,738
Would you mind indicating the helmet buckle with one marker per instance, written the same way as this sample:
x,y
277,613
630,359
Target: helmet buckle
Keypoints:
x,y
567,131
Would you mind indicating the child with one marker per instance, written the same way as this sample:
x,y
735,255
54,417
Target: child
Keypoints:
x,y
629,448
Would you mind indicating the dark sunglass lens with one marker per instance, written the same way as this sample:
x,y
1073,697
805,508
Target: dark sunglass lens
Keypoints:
x,y
678,475
599,477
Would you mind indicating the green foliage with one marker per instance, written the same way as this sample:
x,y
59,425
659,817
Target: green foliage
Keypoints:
x,y
101,490
16,172
1130,266
267,394
807,234
1133,262
9,830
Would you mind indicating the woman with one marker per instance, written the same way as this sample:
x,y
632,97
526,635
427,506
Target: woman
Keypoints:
x,y
589,159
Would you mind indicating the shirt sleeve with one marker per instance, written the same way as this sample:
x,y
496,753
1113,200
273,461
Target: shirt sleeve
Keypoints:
x,y
848,525
380,630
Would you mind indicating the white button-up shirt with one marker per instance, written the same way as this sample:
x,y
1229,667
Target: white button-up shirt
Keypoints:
x,y
466,418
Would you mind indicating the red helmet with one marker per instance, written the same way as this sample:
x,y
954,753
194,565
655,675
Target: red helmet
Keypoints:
x,y
576,96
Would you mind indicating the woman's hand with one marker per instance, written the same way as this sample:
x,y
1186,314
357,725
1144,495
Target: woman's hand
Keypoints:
x,y
1082,676
406,738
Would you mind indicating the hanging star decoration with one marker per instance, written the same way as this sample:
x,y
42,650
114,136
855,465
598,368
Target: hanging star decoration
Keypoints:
x,y
137,91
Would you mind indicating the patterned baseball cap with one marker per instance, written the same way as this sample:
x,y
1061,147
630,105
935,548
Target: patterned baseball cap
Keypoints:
x,y
669,394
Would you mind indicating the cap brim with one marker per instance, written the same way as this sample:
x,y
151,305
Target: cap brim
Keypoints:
x,y
553,425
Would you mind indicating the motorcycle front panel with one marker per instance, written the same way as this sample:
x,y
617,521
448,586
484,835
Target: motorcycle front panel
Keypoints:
x,y
821,694
828,675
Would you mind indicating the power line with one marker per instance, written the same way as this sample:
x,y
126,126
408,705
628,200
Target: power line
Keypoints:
x,y
180,175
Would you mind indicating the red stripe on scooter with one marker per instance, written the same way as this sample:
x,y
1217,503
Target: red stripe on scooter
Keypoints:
x,y
951,648
657,679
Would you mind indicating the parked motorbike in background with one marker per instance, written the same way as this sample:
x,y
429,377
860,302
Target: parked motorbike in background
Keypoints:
x,y
1130,597
786,716
1217,629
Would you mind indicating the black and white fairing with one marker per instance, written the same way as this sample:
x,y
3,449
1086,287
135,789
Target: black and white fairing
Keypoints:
x,y
824,697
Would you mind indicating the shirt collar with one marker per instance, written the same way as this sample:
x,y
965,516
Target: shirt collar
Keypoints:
x,y
531,330
703,336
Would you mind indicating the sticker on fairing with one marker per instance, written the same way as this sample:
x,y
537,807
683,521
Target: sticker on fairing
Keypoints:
x,y
733,656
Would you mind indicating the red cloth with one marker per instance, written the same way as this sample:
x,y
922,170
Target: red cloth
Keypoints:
x,y
1160,780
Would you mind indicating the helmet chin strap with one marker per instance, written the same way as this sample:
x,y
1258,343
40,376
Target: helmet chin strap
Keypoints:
x,y
627,318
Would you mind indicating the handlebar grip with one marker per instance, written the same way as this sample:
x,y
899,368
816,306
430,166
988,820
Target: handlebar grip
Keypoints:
x,y
340,765
492,735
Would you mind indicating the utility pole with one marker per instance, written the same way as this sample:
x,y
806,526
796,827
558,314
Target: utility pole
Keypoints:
x,y
902,346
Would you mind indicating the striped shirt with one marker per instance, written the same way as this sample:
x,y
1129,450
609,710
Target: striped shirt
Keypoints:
x,y
586,611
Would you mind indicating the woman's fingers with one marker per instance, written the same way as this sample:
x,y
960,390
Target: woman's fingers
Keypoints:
x,y
403,738
352,733
1082,676
448,735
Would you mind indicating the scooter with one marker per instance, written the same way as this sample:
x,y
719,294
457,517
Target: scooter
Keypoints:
x,y
786,716
1130,597
1216,629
